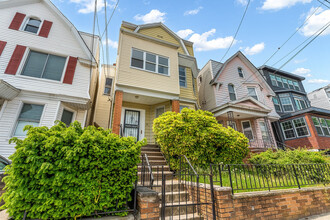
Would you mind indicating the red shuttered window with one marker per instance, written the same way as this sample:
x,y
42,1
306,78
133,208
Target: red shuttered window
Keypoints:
x,y
70,70
17,21
15,60
45,29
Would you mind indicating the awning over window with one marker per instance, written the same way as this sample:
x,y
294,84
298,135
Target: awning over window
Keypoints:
x,y
7,91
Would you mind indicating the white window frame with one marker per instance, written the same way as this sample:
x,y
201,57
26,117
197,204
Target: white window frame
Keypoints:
x,y
295,128
265,126
255,90
159,107
25,58
230,93
326,126
279,103
145,60
253,137
74,115
318,126
271,80
287,83
299,99
277,79
185,77
18,112
294,81
289,97
235,126
25,22
290,84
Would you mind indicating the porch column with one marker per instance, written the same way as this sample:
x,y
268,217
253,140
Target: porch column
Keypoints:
x,y
117,112
269,132
176,106
231,119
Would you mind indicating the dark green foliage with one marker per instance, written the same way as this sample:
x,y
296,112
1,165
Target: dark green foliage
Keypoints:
x,y
301,156
200,137
67,172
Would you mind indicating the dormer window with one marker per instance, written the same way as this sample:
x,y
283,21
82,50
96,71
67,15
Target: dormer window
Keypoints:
x,y
240,72
32,25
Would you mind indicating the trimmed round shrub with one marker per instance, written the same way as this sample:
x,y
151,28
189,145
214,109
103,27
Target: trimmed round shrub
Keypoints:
x,y
298,156
200,137
65,172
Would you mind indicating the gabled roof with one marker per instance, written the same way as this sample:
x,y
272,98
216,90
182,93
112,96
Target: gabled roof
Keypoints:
x,y
82,43
249,98
216,66
160,24
282,72
249,64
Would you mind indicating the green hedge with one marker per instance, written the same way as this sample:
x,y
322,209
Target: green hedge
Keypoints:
x,y
200,137
63,172
298,156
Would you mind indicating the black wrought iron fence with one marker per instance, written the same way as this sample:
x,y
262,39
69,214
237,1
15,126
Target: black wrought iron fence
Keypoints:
x,y
243,177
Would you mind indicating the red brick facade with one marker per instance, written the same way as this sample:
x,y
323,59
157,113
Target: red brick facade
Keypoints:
x,y
176,106
314,140
117,112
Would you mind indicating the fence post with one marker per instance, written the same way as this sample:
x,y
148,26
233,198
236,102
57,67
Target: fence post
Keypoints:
x,y
212,196
231,182
163,195
295,173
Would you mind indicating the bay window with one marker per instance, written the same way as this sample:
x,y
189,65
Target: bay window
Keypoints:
x,y
252,92
300,127
286,102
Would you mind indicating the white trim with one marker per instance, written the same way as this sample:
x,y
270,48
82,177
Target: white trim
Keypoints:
x,y
255,89
142,120
25,22
83,124
295,128
57,110
141,91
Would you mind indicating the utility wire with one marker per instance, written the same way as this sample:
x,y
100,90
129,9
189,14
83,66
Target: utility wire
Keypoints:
x,y
324,4
280,47
239,26
107,23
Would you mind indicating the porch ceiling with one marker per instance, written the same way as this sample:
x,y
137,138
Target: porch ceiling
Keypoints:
x,y
8,91
141,99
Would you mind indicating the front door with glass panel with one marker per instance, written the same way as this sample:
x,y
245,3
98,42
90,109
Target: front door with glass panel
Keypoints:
x,y
132,124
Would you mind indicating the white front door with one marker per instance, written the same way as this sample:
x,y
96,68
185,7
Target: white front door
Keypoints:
x,y
133,123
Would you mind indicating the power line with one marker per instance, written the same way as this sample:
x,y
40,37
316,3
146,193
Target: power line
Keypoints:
x,y
239,26
280,47
324,4
107,23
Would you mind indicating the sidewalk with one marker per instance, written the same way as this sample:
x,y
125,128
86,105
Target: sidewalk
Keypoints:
x,y
325,216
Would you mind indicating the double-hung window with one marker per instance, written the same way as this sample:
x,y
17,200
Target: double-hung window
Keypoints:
x,y
277,104
107,86
67,117
288,129
253,93
264,131
286,102
285,83
240,72
279,81
291,86
324,126
30,115
232,94
296,85
317,126
150,62
46,66
32,25
273,79
300,127
300,102
182,76
232,124
160,111
247,130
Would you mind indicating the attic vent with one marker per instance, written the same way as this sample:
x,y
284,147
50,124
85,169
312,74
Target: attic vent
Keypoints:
x,y
160,36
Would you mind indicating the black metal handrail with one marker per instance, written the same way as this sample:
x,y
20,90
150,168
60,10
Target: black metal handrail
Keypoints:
x,y
150,171
121,132
250,177
189,165
285,145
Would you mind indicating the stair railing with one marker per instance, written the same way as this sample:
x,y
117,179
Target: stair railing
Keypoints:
x,y
151,176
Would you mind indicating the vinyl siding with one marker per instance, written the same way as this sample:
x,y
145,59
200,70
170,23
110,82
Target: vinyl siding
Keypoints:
x,y
206,92
188,92
319,99
143,79
190,50
161,34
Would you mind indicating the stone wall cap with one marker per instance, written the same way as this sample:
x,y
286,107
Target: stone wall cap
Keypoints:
x,y
144,192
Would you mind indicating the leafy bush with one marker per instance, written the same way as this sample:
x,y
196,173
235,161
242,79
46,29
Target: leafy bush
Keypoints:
x,y
301,155
63,172
197,135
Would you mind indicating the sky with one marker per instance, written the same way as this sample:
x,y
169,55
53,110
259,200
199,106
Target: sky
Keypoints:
x,y
211,25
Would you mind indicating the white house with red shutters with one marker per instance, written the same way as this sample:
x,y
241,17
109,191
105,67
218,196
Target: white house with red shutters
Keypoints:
x,y
47,69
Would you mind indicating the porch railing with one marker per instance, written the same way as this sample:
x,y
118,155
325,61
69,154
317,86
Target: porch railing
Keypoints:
x,y
260,143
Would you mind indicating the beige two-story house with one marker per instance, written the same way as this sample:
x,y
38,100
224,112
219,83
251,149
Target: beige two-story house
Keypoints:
x,y
155,72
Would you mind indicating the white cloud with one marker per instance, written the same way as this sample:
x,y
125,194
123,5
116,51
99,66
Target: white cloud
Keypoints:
x,y
242,2
111,43
300,61
184,33
280,4
202,43
88,6
316,22
302,72
319,81
153,16
255,49
193,12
